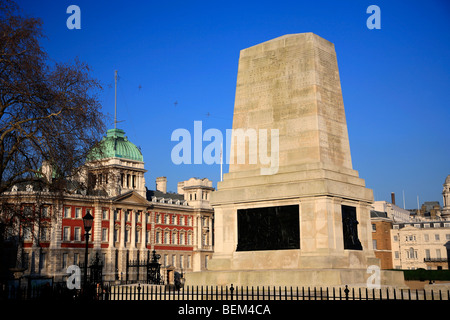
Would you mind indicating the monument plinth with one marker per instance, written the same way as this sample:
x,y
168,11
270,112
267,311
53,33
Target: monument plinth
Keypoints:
x,y
308,221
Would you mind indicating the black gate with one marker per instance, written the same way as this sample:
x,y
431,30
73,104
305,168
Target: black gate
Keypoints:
x,y
95,270
152,268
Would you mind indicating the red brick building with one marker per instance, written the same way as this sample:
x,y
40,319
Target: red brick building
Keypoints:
x,y
381,237
130,221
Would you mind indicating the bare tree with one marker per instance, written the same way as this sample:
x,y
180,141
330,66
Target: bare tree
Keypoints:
x,y
49,114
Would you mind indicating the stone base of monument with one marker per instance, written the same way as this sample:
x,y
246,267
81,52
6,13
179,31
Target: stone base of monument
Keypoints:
x,y
294,278
291,268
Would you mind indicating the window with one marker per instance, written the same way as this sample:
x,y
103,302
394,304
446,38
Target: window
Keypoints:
x,y
42,260
395,238
67,212
447,236
438,253
174,238
77,213
104,234
181,261
116,235
27,211
26,260
396,255
158,218
436,237
182,238
174,260
411,253
77,234
189,239
45,234
116,215
64,260
105,214
158,237
166,237
427,253
45,211
188,262
66,234
27,234
426,237
166,260
76,258
374,242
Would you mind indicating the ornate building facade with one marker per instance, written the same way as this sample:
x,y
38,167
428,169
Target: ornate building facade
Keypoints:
x,y
130,221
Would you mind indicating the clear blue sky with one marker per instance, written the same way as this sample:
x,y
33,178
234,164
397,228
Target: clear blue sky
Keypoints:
x,y
395,81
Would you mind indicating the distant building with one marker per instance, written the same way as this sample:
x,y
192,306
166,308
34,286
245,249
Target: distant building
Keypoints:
x,y
393,212
421,244
381,238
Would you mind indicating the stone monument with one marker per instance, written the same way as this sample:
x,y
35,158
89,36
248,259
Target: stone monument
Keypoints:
x,y
307,222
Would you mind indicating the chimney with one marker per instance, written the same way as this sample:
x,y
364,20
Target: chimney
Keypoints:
x,y
161,184
392,197
180,187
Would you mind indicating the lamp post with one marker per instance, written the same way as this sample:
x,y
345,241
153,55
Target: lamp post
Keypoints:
x,y
88,219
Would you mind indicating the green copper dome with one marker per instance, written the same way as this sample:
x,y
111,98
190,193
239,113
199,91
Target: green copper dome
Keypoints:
x,y
116,145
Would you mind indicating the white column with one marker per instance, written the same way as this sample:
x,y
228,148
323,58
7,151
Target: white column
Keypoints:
x,y
144,229
210,228
56,229
122,229
133,229
111,228
97,230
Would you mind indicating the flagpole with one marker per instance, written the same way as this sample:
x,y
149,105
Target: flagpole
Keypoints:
x,y
115,99
221,161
